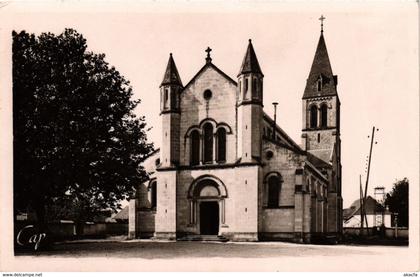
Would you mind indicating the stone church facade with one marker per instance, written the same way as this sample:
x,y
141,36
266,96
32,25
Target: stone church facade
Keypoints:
x,y
226,169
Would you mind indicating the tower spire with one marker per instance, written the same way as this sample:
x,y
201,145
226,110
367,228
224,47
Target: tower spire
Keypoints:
x,y
171,76
250,62
249,102
321,80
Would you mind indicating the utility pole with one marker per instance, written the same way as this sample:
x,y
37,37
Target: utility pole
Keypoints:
x,y
367,177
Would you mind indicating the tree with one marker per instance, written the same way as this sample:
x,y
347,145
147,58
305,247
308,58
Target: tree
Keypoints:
x,y
397,200
75,132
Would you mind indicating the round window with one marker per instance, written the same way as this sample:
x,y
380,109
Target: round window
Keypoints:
x,y
269,155
207,94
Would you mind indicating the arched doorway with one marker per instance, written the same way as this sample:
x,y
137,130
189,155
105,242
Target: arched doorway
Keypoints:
x,y
209,218
207,196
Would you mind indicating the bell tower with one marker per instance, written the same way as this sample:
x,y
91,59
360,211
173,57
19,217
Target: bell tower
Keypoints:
x,y
249,103
321,107
170,90
321,128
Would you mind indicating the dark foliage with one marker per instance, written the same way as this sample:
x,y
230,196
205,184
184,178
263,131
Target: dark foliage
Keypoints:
x,y
77,141
397,201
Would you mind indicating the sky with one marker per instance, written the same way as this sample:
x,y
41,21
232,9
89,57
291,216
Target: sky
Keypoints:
x,y
373,48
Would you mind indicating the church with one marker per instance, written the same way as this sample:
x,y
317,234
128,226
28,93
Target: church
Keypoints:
x,y
225,169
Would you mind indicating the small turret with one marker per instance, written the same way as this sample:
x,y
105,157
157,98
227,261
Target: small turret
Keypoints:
x,y
250,79
170,88
250,114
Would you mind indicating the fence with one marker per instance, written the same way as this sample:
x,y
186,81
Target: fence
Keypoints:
x,y
105,229
390,233
68,230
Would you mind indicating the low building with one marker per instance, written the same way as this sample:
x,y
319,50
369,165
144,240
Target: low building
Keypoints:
x,y
122,216
375,213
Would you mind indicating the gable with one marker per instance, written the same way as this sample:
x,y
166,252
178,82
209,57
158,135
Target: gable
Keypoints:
x,y
282,155
205,68
220,107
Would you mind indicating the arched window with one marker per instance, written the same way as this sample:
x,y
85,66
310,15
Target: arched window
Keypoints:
x,y
319,85
165,97
173,100
208,143
221,145
324,114
269,133
246,84
274,187
195,148
254,88
153,193
314,116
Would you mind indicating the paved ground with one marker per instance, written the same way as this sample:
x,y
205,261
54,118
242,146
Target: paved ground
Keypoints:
x,y
147,249
146,255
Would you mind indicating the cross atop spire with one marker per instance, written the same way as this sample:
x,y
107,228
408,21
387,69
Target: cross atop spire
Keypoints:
x,y
208,58
322,18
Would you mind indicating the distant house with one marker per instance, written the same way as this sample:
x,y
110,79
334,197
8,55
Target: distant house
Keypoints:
x,y
102,216
122,216
26,215
375,213
21,216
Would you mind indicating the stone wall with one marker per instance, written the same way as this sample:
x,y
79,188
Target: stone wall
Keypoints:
x,y
327,136
278,220
333,213
240,206
146,223
166,205
170,150
220,108
250,131
285,162
332,104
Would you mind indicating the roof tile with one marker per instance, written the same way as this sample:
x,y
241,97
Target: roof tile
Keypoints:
x,y
321,68
250,62
171,76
